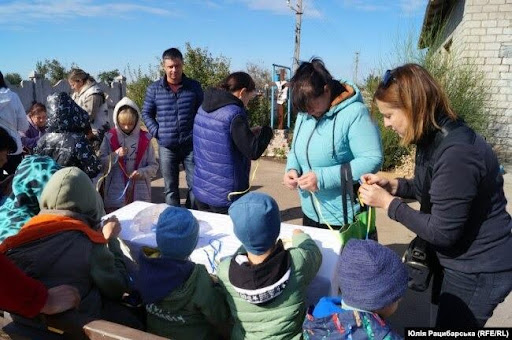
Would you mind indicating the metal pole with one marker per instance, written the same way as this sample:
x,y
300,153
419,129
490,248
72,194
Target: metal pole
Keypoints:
x,y
298,22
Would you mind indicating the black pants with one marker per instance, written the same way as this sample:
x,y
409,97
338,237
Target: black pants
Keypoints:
x,y
208,208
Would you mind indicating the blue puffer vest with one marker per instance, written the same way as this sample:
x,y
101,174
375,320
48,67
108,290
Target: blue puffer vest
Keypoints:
x,y
220,168
169,116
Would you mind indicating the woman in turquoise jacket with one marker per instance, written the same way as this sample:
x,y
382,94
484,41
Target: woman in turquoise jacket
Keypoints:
x,y
333,128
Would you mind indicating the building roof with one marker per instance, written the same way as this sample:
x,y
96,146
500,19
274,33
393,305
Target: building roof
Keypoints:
x,y
435,15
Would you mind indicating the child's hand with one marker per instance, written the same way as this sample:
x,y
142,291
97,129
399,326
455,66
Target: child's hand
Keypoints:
x,y
121,151
136,175
111,228
298,231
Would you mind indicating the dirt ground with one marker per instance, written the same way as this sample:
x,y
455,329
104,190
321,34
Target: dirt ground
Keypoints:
x,y
415,309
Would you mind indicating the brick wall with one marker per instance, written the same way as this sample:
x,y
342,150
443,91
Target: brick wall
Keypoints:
x,y
484,38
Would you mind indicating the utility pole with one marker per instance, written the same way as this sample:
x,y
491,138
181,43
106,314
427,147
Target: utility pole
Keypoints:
x,y
356,67
298,22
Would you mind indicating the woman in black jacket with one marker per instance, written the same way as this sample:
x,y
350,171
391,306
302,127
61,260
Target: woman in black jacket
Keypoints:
x,y
457,180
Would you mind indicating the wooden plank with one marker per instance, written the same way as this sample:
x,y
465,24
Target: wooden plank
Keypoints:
x,y
104,330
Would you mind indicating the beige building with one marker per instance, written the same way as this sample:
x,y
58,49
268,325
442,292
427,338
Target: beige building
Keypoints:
x,y
479,32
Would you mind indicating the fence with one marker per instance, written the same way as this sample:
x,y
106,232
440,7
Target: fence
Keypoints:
x,y
37,89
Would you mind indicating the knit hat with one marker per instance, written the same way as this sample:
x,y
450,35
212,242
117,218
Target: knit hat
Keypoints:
x,y
256,221
371,276
177,233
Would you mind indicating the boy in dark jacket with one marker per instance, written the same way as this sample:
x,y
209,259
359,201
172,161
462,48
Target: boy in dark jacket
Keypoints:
x,y
182,300
372,280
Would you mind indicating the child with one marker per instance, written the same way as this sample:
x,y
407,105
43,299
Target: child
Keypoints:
x,y
372,280
65,140
129,153
266,285
62,245
36,117
182,300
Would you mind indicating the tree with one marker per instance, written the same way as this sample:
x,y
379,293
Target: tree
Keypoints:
x,y
139,82
13,78
259,107
53,70
108,76
203,67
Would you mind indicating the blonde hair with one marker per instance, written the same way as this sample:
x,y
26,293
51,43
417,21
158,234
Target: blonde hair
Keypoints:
x,y
128,113
411,88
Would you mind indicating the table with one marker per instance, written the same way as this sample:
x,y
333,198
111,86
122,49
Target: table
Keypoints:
x,y
219,227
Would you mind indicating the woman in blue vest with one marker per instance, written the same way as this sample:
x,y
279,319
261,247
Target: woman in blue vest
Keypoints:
x,y
463,207
333,128
224,145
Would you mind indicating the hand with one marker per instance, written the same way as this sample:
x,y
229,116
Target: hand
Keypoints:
x,y
389,185
290,179
135,175
256,130
111,228
122,151
375,196
308,182
297,231
60,299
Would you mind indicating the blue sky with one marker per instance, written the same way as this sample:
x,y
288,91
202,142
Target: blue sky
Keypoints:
x,y
101,35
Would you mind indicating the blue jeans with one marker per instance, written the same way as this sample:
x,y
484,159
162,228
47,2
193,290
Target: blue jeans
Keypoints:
x,y
468,300
170,160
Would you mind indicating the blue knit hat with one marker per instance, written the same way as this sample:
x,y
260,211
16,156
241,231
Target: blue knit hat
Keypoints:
x,y
256,221
177,232
371,276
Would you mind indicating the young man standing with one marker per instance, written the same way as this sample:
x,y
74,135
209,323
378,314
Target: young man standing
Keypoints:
x,y
169,109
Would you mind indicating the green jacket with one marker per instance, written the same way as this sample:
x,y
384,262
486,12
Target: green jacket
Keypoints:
x,y
193,311
281,318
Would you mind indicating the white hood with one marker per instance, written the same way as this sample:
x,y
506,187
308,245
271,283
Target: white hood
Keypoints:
x,y
126,102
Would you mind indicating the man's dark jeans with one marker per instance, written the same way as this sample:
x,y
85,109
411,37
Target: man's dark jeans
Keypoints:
x,y
170,160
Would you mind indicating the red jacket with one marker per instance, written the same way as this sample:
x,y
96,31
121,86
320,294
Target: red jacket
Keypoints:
x,y
19,293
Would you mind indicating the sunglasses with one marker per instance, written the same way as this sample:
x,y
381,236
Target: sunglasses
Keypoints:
x,y
387,78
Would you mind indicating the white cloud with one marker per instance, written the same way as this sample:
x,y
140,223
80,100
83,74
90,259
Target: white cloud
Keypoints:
x,y
412,7
51,10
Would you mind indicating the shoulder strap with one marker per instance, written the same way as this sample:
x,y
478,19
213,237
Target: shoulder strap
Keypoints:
x,y
141,147
347,187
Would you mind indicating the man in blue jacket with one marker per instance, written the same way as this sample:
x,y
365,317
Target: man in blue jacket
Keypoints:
x,y
169,109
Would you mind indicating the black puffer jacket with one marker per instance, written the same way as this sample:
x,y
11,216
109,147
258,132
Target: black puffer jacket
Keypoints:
x,y
65,139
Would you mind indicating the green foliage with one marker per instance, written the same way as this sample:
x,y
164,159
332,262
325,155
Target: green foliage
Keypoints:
x,y
13,78
138,83
259,107
108,76
199,64
53,70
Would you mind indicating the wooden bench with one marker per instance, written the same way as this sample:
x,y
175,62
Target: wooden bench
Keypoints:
x,y
95,330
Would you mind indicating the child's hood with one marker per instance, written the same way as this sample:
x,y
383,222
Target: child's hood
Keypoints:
x,y
159,276
70,189
126,102
64,115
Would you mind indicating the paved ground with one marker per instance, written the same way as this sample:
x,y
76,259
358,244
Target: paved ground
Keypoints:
x,y
414,309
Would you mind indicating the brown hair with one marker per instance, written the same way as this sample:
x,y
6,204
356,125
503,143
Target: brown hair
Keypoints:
x,y
35,109
77,74
411,88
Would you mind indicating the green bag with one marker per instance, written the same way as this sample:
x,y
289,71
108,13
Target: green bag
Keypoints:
x,y
363,226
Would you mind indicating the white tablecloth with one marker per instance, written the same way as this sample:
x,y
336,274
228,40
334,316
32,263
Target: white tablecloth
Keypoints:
x,y
219,227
